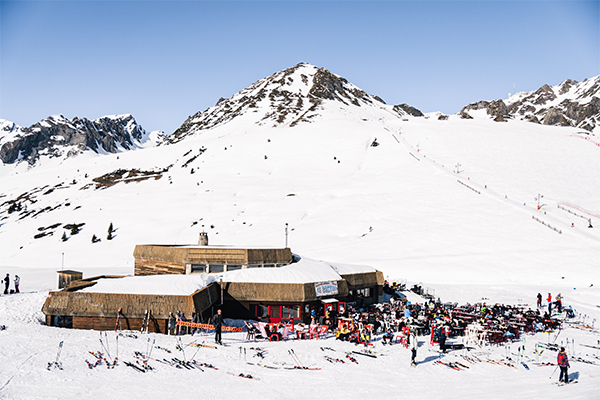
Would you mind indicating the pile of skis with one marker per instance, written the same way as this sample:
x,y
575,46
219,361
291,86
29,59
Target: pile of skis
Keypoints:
x,y
100,358
104,357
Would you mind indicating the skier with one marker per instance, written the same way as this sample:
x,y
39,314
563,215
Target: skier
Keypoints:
x,y
563,363
17,282
6,283
539,300
217,321
559,302
413,345
549,304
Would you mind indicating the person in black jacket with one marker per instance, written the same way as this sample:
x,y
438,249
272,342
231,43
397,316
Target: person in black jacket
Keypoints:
x,y
6,283
217,321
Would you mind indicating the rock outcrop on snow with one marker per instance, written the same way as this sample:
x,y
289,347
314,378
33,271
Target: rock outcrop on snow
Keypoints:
x,y
286,98
569,103
57,136
404,109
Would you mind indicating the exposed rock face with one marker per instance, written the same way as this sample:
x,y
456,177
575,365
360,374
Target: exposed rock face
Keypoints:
x,y
405,108
289,97
569,103
58,136
497,109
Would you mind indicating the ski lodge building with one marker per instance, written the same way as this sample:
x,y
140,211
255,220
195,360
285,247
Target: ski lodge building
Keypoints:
x,y
195,280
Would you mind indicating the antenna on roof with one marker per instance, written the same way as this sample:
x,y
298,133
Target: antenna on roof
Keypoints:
x,y
286,235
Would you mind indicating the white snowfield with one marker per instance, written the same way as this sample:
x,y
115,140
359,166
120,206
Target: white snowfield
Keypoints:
x,y
400,207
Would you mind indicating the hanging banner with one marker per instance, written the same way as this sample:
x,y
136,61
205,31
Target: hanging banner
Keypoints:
x,y
326,288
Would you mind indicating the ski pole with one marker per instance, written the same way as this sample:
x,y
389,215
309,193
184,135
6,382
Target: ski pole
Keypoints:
x,y
152,347
107,344
194,356
550,377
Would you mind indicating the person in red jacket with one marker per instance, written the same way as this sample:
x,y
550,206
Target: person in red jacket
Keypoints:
x,y
563,363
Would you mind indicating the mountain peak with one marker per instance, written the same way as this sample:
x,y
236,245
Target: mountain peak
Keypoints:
x,y
288,97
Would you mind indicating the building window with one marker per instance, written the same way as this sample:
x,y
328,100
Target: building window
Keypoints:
x,y
233,267
215,268
198,268
288,312
366,292
62,321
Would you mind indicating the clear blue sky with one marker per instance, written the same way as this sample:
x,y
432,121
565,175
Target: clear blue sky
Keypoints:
x,y
163,61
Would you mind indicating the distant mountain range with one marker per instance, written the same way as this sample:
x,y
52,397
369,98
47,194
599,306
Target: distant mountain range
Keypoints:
x,y
57,136
569,103
296,95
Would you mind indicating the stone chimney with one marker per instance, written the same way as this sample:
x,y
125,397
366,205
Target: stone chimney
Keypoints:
x,y
203,240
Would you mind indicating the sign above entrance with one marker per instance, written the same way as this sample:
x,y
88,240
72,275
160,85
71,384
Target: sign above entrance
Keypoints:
x,y
326,288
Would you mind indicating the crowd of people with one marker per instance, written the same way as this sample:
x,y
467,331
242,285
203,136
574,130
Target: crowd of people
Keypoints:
x,y
498,322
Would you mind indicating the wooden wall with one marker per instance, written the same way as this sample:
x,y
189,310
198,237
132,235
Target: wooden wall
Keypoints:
x,y
276,292
269,256
222,256
134,306
153,267
364,280
99,310
161,253
107,324
156,259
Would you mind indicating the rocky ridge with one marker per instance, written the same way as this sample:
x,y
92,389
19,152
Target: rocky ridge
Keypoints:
x,y
57,136
289,97
569,103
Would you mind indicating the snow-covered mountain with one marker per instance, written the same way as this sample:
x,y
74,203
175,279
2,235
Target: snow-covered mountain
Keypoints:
x,y
59,137
569,103
296,95
357,180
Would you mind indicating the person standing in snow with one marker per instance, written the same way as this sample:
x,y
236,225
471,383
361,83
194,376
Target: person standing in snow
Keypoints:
x,y
539,300
559,302
442,338
563,363
17,282
549,304
6,283
413,345
217,321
